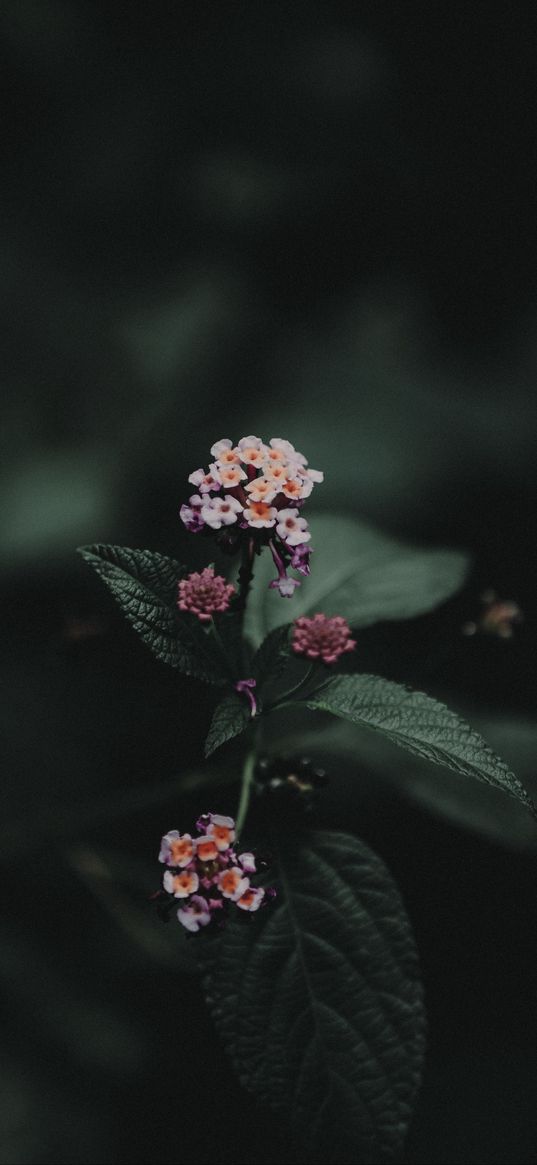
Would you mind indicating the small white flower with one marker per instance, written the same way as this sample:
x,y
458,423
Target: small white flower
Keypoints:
x,y
286,586
297,487
289,450
292,529
231,476
251,899
250,443
232,883
219,819
251,455
205,481
181,885
315,475
276,473
220,446
196,914
247,861
260,514
218,512
261,490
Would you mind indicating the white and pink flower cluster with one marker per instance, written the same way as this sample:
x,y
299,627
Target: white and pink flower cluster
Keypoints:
x,y
206,874
260,489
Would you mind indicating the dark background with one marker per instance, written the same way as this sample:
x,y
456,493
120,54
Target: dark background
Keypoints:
x,y
309,220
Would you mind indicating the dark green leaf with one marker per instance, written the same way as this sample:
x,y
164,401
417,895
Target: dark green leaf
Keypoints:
x,y
359,573
318,999
366,766
418,724
272,657
144,584
230,718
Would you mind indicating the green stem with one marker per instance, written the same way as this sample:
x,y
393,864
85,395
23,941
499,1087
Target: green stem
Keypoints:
x,y
216,635
246,574
218,640
246,788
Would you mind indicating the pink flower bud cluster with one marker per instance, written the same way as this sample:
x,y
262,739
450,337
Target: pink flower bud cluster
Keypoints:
x,y
206,874
322,638
259,489
204,592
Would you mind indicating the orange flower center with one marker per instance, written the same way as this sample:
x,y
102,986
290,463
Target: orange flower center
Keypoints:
x,y
181,849
207,850
221,833
261,509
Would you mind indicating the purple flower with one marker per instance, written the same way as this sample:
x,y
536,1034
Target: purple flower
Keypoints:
x,y
245,687
191,514
286,586
301,558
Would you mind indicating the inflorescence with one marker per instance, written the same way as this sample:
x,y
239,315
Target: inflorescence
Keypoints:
x,y
203,593
256,490
322,638
206,874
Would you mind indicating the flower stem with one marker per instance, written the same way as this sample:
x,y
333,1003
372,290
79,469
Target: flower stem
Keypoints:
x,y
246,574
246,788
213,630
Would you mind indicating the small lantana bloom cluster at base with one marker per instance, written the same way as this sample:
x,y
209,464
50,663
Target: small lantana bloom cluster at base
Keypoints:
x,y
323,638
206,874
498,617
204,593
257,491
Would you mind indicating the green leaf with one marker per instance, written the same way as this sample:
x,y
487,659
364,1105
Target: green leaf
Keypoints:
x,y
418,724
366,768
359,573
231,717
144,584
318,999
272,657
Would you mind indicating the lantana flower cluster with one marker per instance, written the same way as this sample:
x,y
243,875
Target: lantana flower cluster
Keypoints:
x,y
256,489
205,874
204,594
322,638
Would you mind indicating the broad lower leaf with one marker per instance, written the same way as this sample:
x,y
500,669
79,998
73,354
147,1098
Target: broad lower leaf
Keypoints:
x,y
230,718
144,584
272,657
418,724
318,998
359,573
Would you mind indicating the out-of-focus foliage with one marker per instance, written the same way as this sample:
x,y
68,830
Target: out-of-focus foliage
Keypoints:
x,y
311,220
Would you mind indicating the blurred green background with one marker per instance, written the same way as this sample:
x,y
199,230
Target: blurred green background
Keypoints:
x,y
307,220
